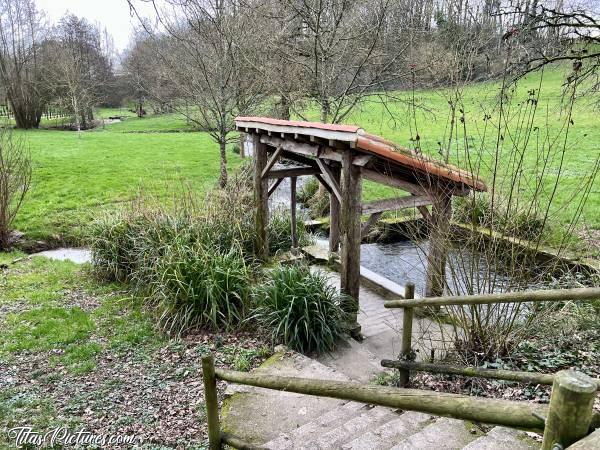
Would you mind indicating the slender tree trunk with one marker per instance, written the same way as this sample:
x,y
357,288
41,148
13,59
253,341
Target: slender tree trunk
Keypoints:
x,y
223,153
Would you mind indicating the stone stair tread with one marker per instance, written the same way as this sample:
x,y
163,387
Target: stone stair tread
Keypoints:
x,y
390,432
501,438
443,434
335,438
331,419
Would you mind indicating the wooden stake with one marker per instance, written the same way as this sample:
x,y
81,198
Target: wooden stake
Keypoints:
x,y
261,198
293,211
571,407
406,353
211,401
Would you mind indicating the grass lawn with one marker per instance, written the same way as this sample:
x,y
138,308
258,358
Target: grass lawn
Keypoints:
x,y
77,352
75,177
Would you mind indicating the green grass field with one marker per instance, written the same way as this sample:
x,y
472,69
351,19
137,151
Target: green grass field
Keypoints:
x,y
75,177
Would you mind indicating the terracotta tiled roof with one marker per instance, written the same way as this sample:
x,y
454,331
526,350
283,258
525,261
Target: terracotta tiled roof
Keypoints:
x,y
367,143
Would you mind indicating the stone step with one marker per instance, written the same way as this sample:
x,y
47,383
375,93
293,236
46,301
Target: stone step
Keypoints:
x,y
443,434
337,437
331,419
501,438
390,433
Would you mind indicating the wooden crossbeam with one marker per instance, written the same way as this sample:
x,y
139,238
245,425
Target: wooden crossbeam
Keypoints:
x,y
362,160
292,172
303,148
274,185
274,158
329,179
394,182
392,204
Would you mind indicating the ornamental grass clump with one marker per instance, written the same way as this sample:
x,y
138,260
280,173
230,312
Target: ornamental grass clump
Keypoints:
x,y
301,309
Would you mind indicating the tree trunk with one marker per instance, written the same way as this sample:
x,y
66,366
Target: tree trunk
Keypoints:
x,y
223,153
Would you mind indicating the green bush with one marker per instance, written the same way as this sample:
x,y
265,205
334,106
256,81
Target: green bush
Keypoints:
x,y
195,285
301,309
308,190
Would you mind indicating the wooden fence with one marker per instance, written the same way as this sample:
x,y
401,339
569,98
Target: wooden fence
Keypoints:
x,y
569,418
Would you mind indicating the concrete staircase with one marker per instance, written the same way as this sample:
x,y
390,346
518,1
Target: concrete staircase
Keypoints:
x,y
283,420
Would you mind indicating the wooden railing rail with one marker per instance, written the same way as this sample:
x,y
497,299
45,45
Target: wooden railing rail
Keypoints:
x,y
549,295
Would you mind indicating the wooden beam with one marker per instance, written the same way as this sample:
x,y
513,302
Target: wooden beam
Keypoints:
x,y
438,245
350,238
292,172
407,186
303,148
274,185
334,215
261,199
319,177
293,212
300,159
274,158
329,179
394,204
362,160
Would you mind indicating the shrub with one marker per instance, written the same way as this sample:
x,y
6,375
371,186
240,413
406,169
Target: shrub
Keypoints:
x,y
308,190
15,180
196,285
301,309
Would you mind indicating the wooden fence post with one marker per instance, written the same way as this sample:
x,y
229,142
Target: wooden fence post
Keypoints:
x,y
211,402
406,345
570,411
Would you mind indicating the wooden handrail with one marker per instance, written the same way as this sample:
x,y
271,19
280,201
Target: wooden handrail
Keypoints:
x,y
478,372
493,411
549,295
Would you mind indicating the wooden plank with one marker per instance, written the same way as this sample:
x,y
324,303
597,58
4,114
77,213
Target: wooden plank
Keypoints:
x,y
362,160
406,353
292,172
261,199
303,148
293,211
300,159
334,215
393,204
547,295
407,186
274,185
329,179
319,177
350,236
274,158
211,402
508,413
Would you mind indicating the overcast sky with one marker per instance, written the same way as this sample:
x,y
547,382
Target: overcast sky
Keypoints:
x,y
112,14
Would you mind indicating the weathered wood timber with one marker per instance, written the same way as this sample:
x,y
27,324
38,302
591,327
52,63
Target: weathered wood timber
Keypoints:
x,y
493,411
292,172
390,181
571,409
261,198
272,160
334,215
550,295
438,245
274,185
406,353
477,372
350,234
293,212
302,148
394,204
211,401
329,179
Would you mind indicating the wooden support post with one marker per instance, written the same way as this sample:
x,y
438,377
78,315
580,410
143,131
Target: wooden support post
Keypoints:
x,y
293,211
350,213
571,408
211,401
406,353
334,215
261,198
438,244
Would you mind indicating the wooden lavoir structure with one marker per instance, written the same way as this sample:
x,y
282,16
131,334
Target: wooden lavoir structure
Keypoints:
x,y
340,156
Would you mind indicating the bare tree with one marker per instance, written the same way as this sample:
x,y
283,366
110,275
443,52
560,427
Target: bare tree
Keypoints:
x,y
15,180
205,46
20,35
